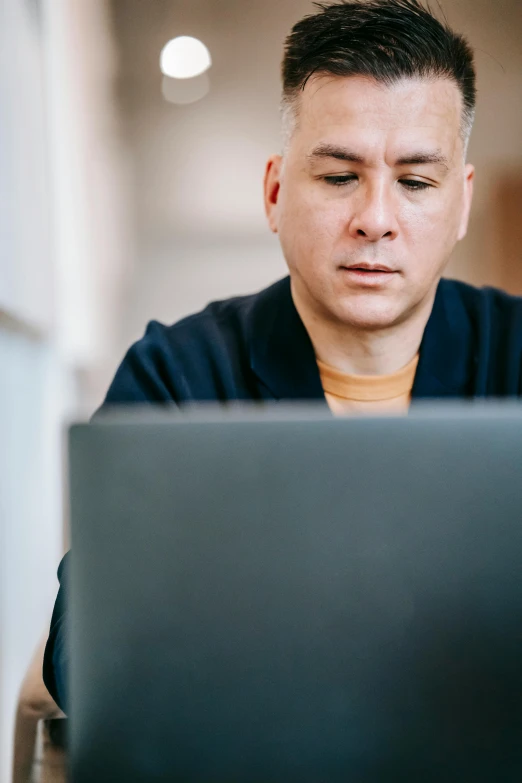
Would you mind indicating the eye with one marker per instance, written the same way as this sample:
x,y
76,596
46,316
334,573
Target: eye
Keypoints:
x,y
413,184
344,179
339,180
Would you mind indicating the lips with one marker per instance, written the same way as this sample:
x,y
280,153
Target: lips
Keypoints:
x,y
369,268
366,276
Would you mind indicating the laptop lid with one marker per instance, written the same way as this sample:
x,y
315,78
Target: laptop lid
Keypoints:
x,y
273,598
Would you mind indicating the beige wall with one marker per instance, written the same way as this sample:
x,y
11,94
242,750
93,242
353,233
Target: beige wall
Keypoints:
x,y
198,169
495,31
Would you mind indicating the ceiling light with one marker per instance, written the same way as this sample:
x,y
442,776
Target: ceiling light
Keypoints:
x,y
184,57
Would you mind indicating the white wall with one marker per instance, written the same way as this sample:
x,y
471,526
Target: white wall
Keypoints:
x,y
63,260
31,404
30,529
25,263
91,247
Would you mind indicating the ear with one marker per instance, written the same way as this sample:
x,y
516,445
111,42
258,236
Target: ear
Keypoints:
x,y
272,186
469,178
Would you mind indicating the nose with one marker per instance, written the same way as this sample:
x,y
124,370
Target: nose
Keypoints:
x,y
373,216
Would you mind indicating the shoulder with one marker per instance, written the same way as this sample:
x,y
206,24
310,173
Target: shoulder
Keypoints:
x,y
488,307
192,358
221,320
490,322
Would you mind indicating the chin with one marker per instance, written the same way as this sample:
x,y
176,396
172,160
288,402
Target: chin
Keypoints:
x,y
368,315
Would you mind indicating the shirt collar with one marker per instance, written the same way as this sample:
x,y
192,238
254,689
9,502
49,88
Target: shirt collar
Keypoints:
x,y
283,359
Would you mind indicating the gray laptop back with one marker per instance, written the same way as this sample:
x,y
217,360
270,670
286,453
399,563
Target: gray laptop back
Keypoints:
x,y
297,599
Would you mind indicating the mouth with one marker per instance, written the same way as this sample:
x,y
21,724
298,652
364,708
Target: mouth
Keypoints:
x,y
368,274
369,268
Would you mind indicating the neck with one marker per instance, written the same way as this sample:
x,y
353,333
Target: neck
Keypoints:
x,y
358,351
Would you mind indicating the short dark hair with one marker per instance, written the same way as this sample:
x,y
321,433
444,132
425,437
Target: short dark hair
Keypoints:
x,y
386,40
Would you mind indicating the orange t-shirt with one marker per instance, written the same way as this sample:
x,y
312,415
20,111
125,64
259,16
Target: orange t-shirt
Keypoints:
x,y
371,394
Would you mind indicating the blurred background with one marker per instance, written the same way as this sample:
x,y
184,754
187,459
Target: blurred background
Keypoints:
x,y
119,203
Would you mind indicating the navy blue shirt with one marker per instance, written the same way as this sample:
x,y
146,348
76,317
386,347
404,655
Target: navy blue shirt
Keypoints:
x,y
256,348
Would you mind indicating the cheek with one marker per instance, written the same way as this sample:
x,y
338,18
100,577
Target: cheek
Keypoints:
x,y
432,230
310,228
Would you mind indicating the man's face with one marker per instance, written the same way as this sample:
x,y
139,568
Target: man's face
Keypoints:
x,y
374,177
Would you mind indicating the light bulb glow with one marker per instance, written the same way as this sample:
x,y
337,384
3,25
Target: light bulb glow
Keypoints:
x,y
184,57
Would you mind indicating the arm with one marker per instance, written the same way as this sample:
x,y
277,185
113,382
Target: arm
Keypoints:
x,y
34,704
55,663
145,376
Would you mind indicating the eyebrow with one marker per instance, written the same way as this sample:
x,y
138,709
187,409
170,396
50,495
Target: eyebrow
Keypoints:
x,y
343,153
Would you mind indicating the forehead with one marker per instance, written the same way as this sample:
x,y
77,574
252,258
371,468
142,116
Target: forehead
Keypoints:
x,y
373,115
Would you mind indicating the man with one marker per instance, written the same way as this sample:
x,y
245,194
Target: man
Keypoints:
x,y
369,198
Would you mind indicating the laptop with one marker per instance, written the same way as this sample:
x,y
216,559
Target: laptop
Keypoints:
x,y
278,596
